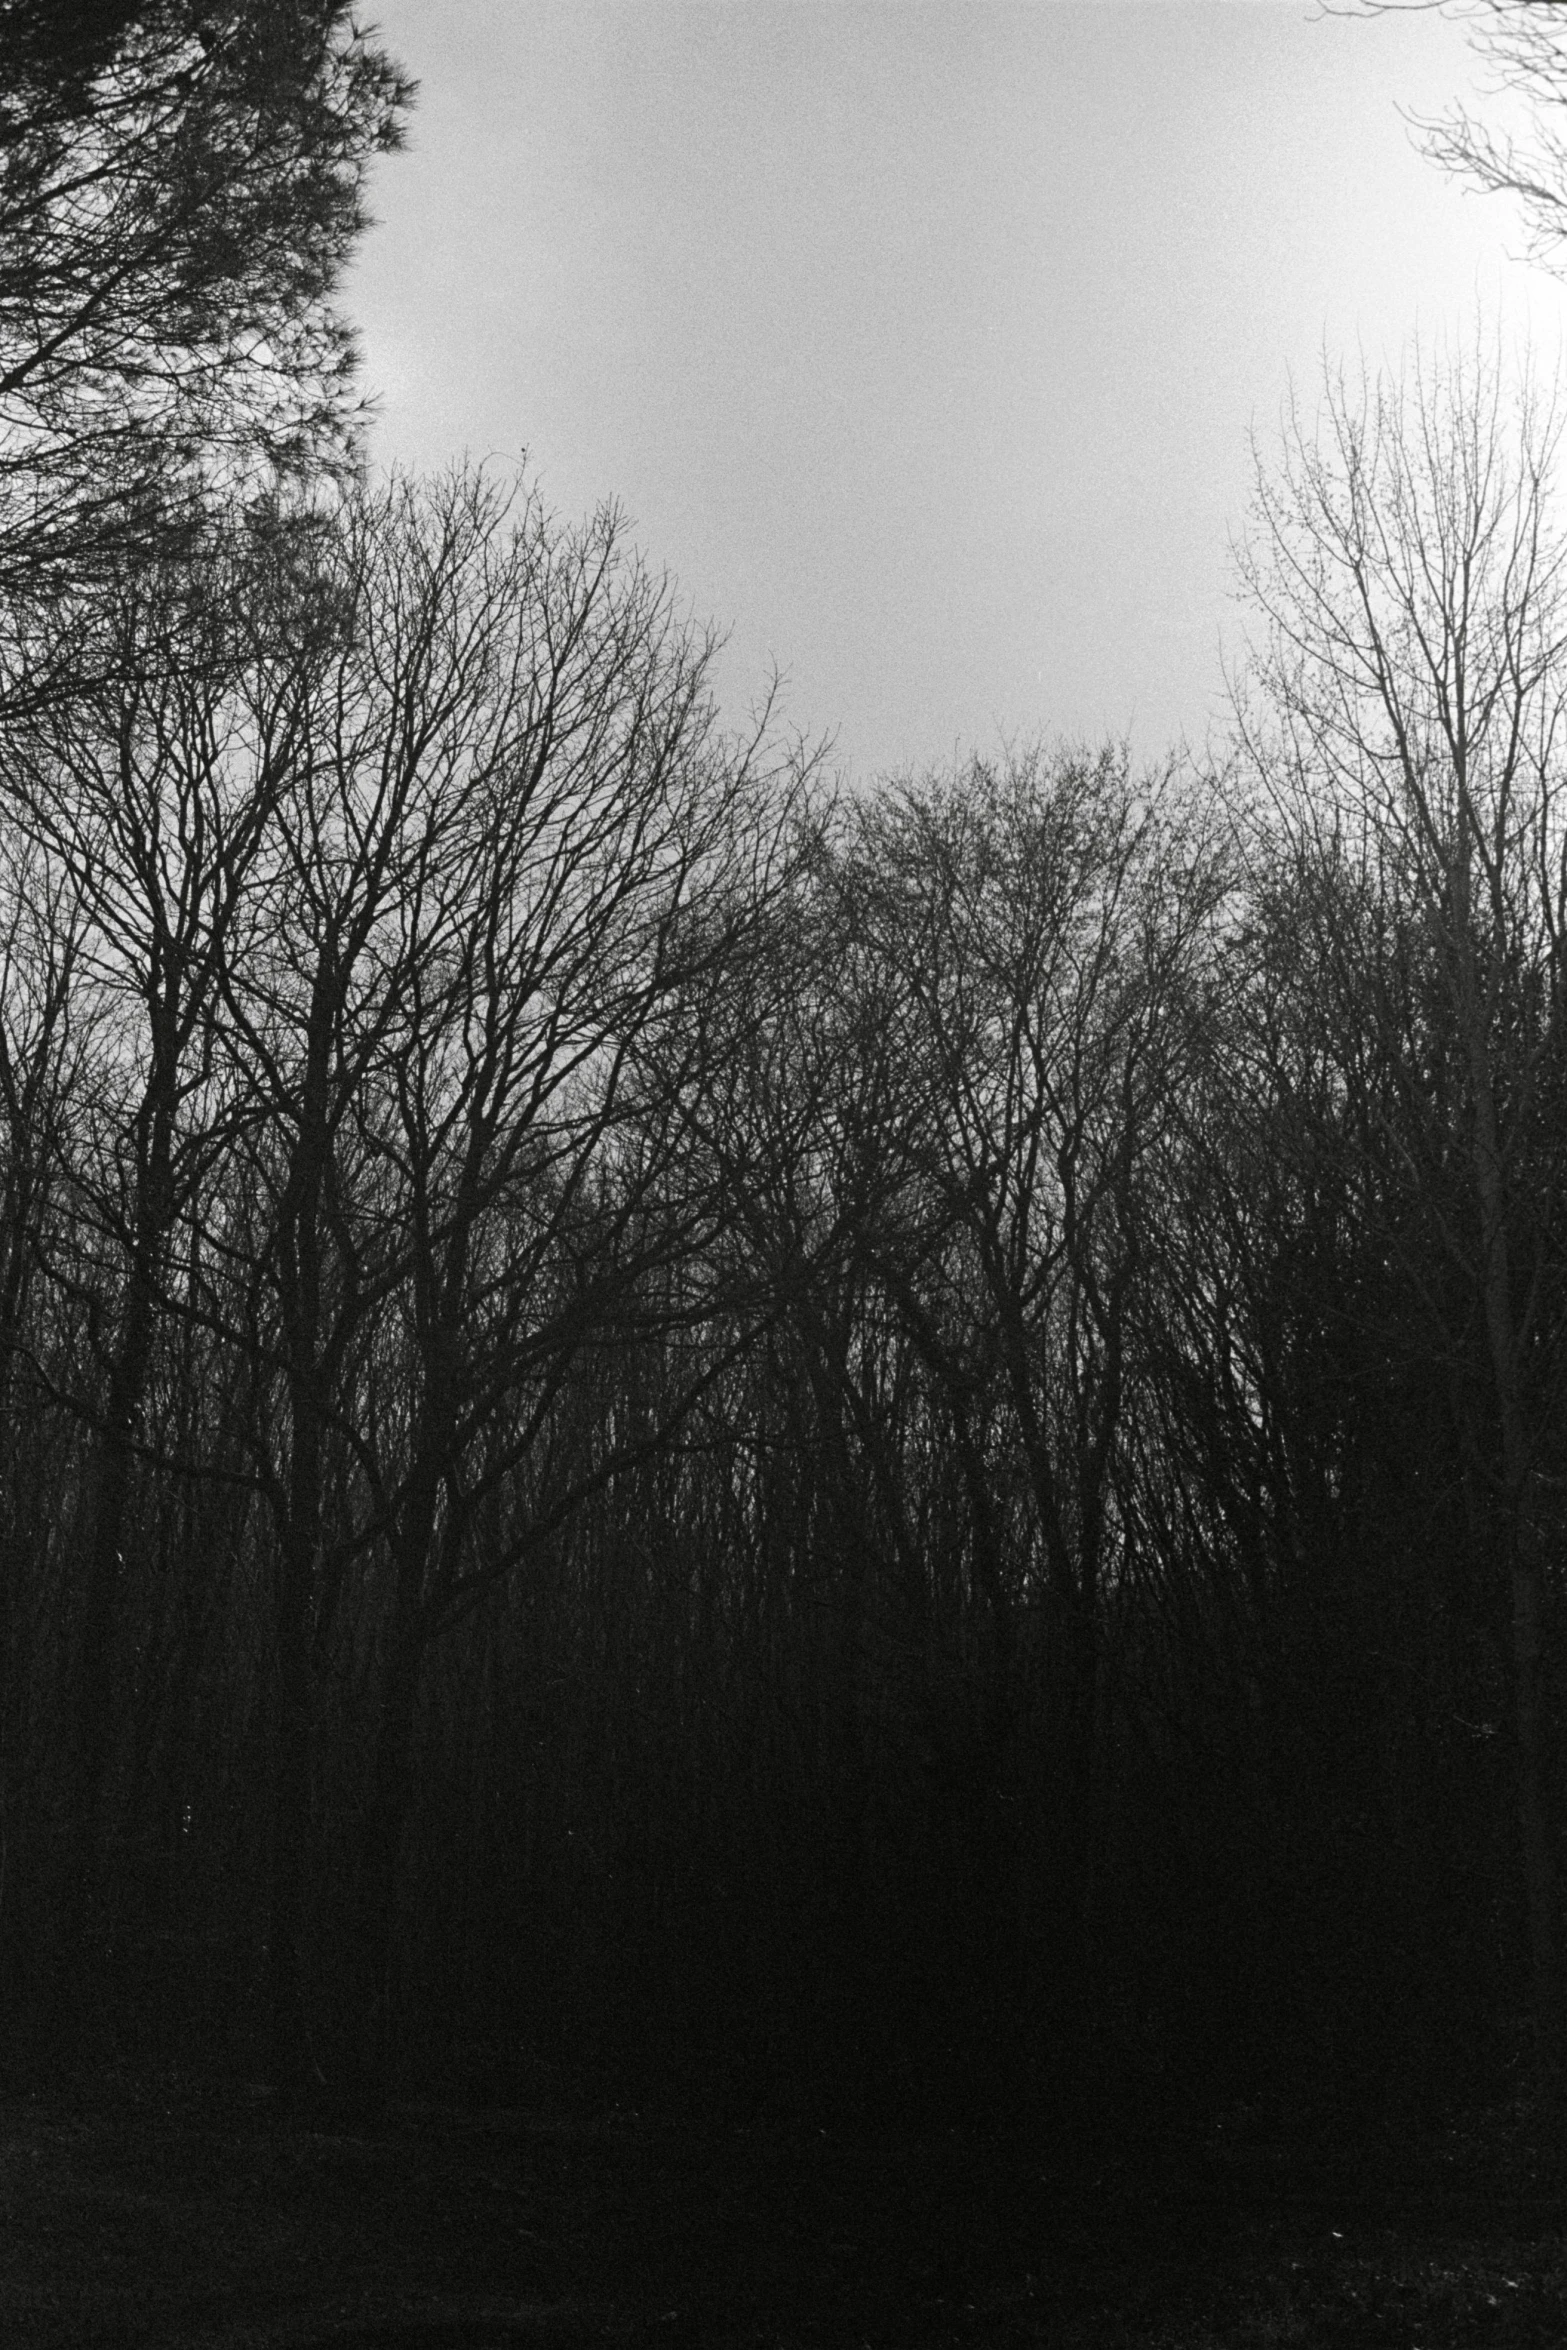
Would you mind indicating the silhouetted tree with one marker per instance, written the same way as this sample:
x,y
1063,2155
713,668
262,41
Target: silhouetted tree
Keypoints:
x,y
1413,583
180,187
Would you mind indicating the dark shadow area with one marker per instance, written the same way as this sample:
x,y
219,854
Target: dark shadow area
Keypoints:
x,y
157,2208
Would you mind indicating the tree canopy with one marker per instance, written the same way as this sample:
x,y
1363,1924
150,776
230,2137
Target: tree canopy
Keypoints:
x,y
180,186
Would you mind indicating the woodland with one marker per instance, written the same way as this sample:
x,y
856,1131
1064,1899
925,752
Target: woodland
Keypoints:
x,y
856,1460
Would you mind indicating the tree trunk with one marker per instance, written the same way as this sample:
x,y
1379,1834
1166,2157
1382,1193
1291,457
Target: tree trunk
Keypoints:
x,y
1537,1826
292,1813
363,2054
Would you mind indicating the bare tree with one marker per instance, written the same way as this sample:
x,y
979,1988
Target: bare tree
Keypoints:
x,y
43,1052
1410,690
146,798
40,941
1050,922
511,846
1524,43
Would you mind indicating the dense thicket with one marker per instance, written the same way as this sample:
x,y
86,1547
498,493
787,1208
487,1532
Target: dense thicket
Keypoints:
x,y
901,1456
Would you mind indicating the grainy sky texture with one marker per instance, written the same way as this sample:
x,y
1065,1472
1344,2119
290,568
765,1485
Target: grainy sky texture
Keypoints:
x,y
922,341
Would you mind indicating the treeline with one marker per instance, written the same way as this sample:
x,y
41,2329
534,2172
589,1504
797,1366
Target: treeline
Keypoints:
x,y
885,1453
888,1453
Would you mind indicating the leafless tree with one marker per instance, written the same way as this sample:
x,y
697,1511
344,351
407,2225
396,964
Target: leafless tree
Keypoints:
x,y
1050,922
1524,45
511,850
144,799
1409,693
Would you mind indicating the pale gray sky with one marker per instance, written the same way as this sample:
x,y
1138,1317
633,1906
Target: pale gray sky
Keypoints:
x,y
921,340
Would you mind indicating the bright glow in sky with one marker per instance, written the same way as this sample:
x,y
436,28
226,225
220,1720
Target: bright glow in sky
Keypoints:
x,y
922,341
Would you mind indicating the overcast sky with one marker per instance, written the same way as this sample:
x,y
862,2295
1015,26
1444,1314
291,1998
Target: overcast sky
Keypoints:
x,y
921,340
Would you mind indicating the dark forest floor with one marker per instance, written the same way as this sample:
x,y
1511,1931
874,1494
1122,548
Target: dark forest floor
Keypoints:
x,y
151,2207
